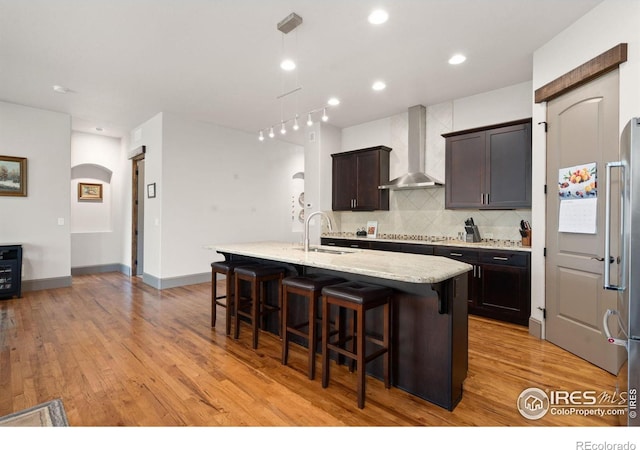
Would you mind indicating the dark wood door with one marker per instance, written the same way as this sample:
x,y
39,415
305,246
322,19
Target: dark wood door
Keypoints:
x,y
464,170
508,167
503,293
367,169
344,182
489,167
356,177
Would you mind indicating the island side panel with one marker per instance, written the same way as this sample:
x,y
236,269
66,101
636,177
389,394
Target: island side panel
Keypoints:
x,y
430,348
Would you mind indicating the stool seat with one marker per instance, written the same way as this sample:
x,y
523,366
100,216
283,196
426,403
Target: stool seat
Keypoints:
x,y
225,268
257,275
309,287
259,270
311,282
359,298
357,292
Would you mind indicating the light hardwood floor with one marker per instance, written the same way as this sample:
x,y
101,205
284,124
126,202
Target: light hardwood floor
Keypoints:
x,y
118,352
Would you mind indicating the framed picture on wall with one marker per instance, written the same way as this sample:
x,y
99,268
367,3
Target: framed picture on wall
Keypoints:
x,y
13,176
372,229
89,192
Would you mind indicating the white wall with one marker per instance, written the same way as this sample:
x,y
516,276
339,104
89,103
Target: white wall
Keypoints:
x,y
213,185
44,138
96,227
318,169
497,106
607,25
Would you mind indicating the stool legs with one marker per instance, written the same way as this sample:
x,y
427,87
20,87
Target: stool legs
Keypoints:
x,y
360,356
325,342
229,300
312,336
214,303
355,351
258,307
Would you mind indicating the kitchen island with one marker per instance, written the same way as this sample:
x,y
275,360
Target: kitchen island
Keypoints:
x,y
429,341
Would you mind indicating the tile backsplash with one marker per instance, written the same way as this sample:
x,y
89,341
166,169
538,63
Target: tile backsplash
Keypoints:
x,y
421,211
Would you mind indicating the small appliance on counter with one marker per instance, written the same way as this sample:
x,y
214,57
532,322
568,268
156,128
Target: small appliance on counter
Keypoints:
x,y
473,234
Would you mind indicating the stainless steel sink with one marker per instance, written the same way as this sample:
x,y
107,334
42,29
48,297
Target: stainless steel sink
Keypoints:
x,y
326,250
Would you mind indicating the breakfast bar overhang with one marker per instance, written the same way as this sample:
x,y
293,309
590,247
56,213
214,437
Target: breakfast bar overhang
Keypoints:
x,y
429,343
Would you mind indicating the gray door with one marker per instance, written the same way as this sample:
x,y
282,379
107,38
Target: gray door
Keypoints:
x,y
582,128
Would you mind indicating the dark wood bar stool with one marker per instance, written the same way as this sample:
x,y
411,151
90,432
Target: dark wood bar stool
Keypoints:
x,y
226,268
310,287
359,298
257,276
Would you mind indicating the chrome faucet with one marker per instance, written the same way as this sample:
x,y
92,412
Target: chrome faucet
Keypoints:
x,y
306,227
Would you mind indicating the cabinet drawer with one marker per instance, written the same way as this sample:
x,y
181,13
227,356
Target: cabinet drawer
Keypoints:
x,y
461,254
419,249
352,243
505,258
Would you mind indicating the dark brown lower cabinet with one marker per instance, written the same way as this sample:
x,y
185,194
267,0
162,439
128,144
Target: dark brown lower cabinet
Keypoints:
x,y
503,289
499,286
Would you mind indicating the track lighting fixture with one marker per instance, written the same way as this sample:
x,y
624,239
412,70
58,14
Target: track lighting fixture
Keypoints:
x,y
288,24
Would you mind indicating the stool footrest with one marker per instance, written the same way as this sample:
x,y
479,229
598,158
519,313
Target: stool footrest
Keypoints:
x,y
297,332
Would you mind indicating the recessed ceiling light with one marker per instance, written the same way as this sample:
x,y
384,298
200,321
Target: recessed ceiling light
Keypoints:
x,y
288,65
61,89
378,86
378,17
100,129
333,101
457,59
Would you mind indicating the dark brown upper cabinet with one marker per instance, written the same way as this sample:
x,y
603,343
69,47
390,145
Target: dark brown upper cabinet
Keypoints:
x,y
489,167
356,177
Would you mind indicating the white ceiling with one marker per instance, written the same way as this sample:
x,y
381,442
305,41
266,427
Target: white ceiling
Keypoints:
x,y
218,60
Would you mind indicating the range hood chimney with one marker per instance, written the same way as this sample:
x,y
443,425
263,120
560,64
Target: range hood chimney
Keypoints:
x,y
415,178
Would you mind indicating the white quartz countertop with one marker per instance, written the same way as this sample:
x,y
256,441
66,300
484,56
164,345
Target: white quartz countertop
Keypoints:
x,y
405,267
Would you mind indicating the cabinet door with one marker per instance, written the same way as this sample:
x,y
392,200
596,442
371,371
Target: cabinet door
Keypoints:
x,y
464,171
367,169
469,257
343,182
508,163
504,293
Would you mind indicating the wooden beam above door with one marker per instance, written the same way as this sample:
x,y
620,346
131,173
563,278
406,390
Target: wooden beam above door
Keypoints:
x,y
601,64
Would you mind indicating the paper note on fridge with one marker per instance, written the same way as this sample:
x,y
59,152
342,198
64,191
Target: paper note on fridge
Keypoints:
x,y
578,216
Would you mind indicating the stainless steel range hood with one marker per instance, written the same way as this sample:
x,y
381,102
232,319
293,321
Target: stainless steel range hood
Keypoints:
x,y
415,178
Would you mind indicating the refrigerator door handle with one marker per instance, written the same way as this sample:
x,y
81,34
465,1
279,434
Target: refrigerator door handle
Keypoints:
x,y
607,232
607,333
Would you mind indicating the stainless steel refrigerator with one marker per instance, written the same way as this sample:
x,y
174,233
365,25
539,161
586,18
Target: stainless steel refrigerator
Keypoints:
x,y
624,275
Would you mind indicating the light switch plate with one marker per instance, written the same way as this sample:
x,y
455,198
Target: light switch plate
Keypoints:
x,y
60,221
